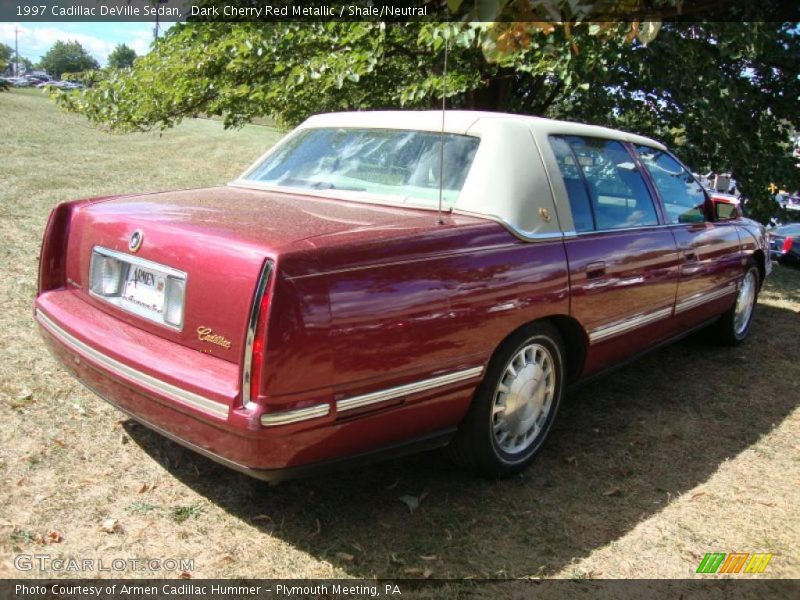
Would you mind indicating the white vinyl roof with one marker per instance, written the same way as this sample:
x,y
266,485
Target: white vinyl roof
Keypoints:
x,y
462,122
514,178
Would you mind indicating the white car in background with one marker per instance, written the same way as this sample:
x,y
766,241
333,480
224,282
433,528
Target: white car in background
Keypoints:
x,y
62,85
788,201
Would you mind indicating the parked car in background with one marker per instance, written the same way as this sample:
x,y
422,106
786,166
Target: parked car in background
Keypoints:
x,y
18,81
36,79
62,85
784,243
790,202
380,282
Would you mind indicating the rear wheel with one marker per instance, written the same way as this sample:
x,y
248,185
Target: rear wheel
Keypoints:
x,y
733,327
515,405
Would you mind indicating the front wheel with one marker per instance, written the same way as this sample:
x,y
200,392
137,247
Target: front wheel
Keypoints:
x,y
734,325
515,405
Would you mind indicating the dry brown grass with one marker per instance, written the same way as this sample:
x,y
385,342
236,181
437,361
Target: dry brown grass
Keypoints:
x,y
692,449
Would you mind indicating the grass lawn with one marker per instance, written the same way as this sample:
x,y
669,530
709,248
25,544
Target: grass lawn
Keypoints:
x,y
690,450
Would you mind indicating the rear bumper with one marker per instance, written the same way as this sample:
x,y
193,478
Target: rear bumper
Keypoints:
x,y
187,394
192,398
119,369
427,442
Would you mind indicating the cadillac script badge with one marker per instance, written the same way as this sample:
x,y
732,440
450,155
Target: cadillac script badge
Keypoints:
x,y
206,334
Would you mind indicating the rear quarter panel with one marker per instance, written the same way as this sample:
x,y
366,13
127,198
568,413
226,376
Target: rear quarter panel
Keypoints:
x,y
409,303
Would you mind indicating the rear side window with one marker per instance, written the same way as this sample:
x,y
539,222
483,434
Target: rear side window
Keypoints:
x,y
579,201
683,198
605,188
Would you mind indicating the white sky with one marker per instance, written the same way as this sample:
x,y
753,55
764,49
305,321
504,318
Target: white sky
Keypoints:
x,y
99,39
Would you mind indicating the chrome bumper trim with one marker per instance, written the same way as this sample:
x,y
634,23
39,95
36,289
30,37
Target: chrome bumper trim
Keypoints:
x,y
704,297
113,366
629,323
405,390
293,416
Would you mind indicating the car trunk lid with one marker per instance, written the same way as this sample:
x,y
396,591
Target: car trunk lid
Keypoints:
x,y
219,238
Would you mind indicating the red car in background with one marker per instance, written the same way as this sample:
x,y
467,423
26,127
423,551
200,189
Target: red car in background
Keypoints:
x,y
382,282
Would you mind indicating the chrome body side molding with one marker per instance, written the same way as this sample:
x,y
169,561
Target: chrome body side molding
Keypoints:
x,y
703,297
295,416
405,390
627,324
607,331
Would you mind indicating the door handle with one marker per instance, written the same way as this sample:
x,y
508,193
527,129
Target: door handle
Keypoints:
x,y
596,269
691,263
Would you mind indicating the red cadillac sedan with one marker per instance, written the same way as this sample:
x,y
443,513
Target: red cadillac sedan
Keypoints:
x,y
380,282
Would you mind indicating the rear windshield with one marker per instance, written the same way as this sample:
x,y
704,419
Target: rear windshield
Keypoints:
x,y
401,166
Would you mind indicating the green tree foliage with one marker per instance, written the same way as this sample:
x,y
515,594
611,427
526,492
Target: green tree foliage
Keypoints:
x,y
723,95
6,52
25,64
121,57
8,58
67,57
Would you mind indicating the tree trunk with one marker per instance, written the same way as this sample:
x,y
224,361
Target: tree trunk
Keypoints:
x,y
495,95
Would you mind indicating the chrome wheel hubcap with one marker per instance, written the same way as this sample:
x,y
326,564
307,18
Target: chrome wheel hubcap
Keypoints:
x,y
523,398
744,303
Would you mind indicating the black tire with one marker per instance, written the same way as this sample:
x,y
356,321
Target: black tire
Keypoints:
x,y
728,330
476,445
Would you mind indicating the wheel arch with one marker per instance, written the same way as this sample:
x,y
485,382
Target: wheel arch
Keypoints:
x,y
474,445
574,336
576,343
761,263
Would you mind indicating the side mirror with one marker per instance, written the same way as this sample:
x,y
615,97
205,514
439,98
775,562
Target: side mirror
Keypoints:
x,y
726,209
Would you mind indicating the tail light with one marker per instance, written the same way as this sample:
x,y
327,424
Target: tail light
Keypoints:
x,y
53,259
256,339
787,244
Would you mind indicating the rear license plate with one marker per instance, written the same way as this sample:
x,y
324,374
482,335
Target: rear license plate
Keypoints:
x,y
136,285
145,287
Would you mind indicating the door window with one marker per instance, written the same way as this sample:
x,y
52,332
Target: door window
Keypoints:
x,y
582,215
605,188
683,197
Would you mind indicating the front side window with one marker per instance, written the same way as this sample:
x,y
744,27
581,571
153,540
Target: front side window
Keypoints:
x,y
399,165
605,188
683,198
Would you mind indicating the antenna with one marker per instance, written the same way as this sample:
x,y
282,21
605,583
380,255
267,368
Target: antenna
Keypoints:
x,y
441,142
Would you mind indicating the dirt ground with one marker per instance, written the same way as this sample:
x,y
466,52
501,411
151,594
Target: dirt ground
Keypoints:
x,y
690,450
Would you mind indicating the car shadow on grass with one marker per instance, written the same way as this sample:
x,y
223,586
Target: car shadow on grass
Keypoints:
x,y
620,450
